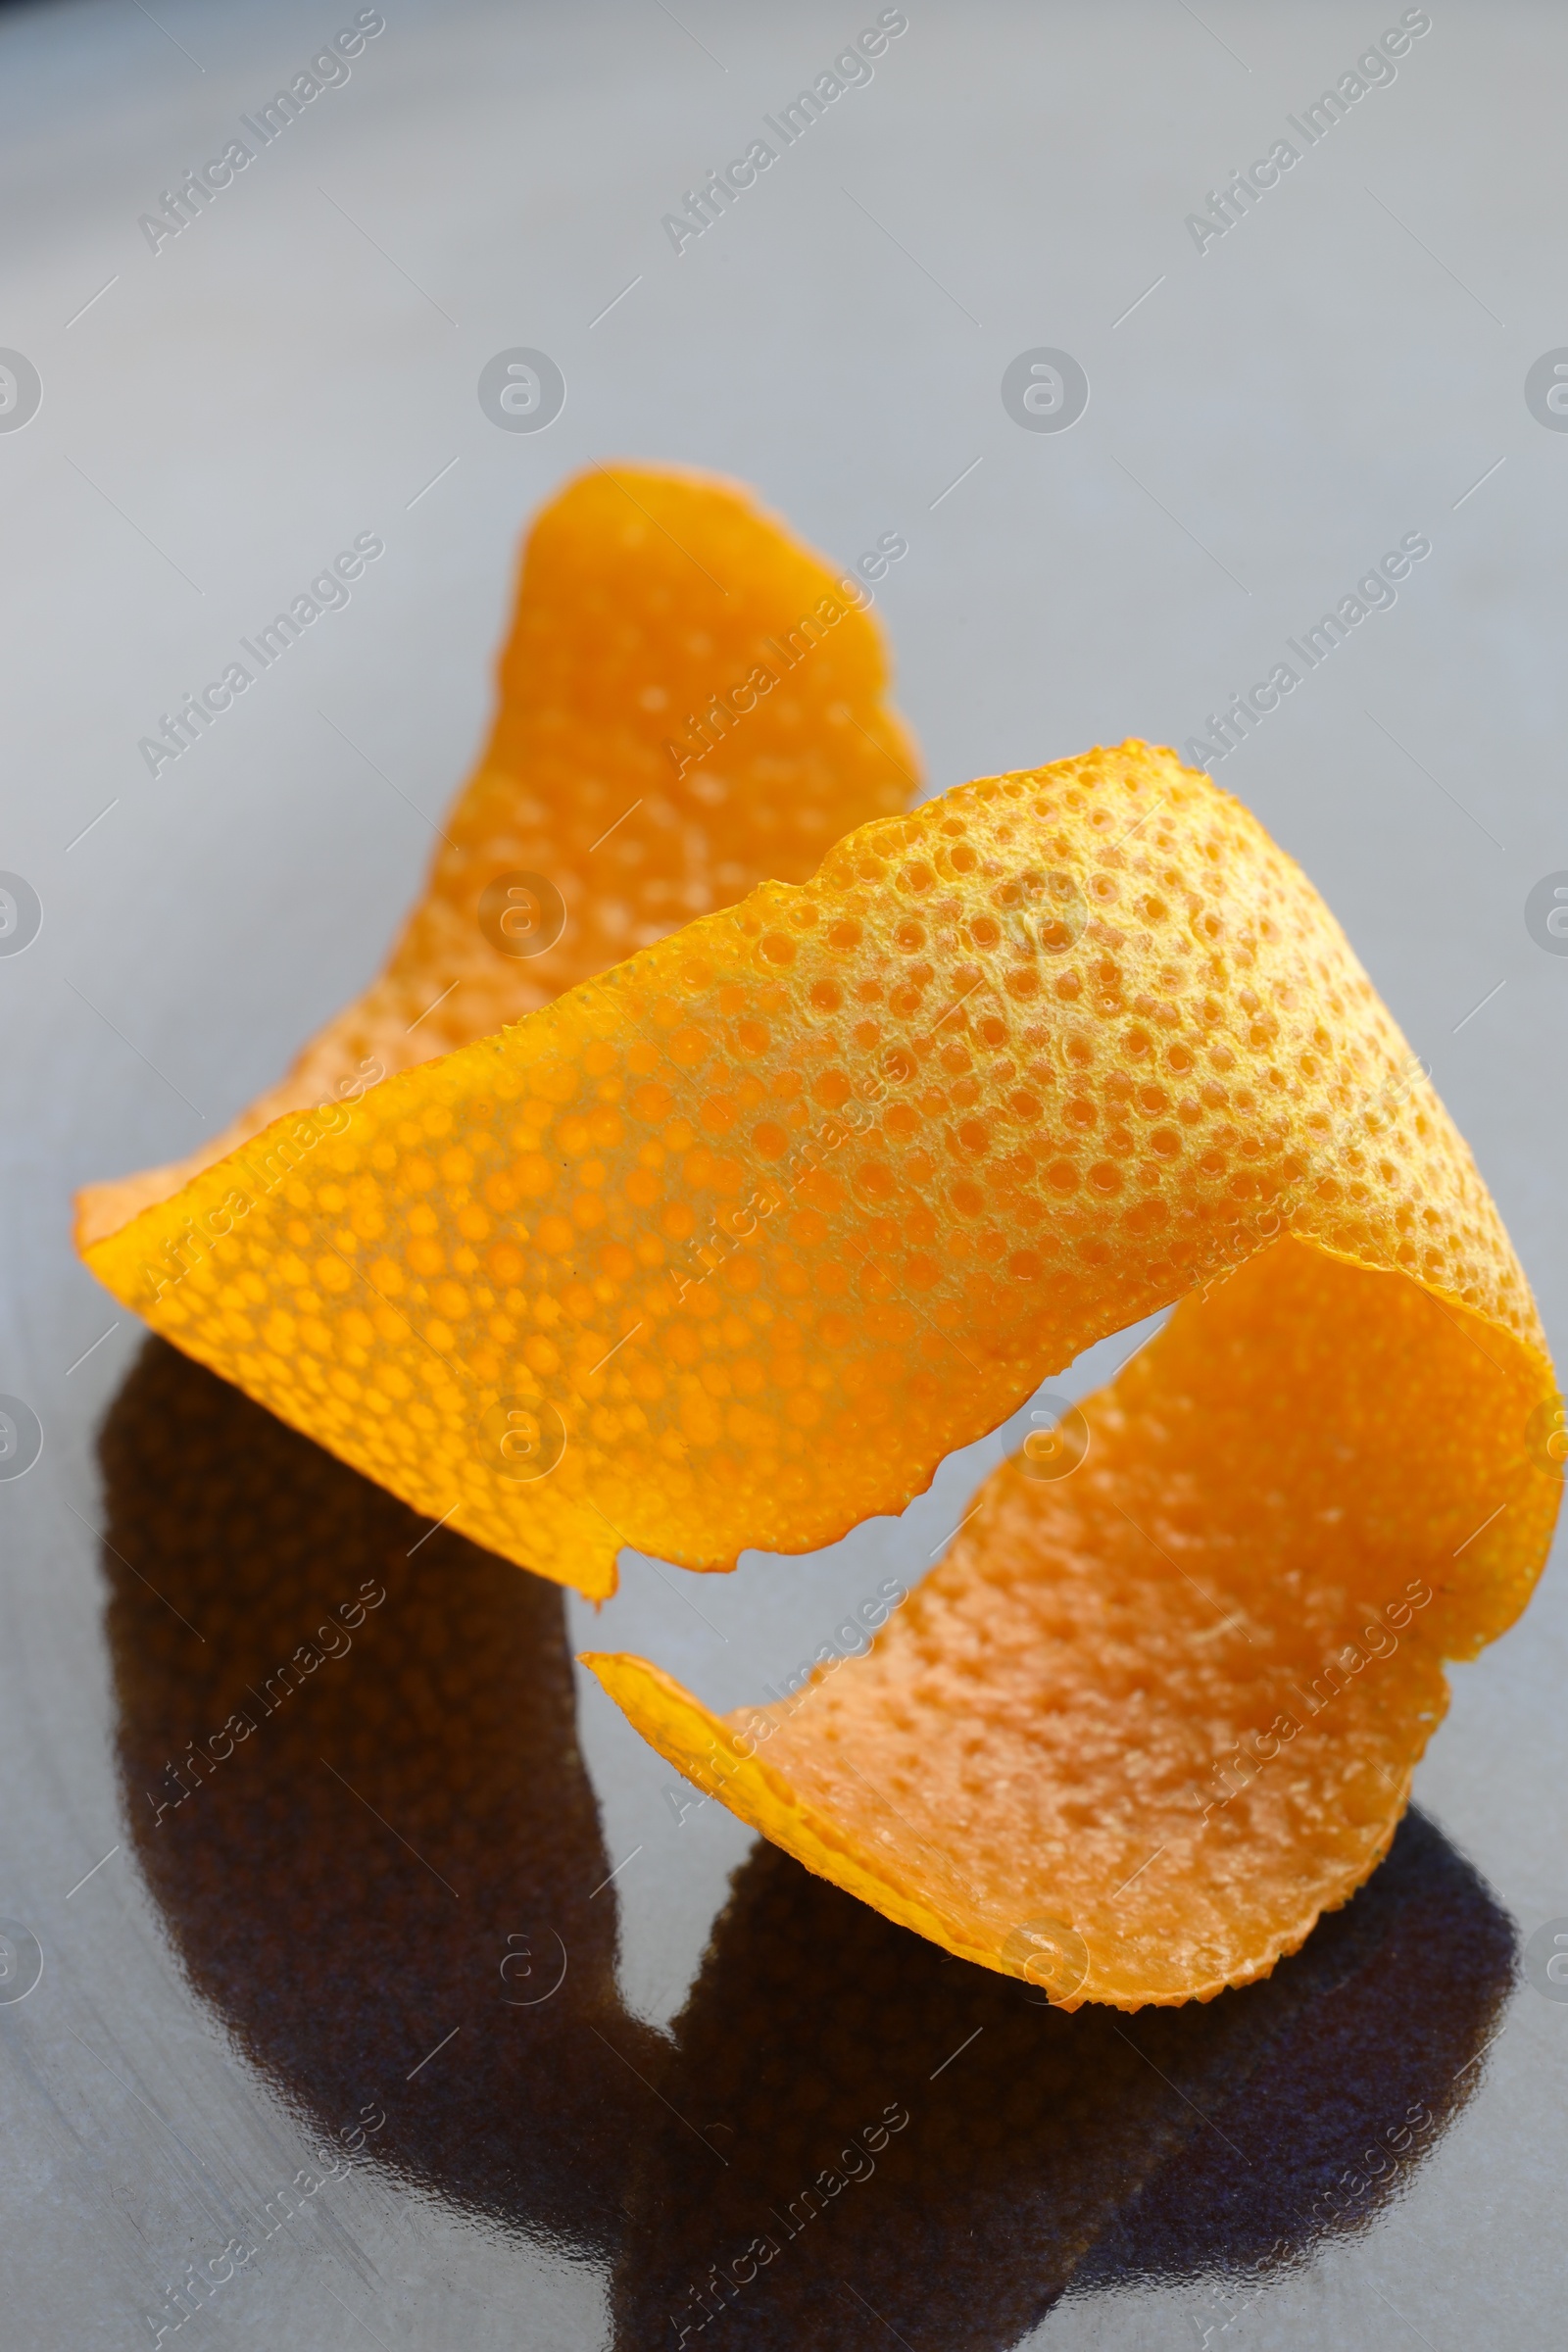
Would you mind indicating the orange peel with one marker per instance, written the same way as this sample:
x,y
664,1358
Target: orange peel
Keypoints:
x,y
748,1233
623,771
1161,1706
731,1245
1147,1722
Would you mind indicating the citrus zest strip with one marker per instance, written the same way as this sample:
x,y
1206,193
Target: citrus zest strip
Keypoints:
x,y
1159,1707
732,1245
1146,1723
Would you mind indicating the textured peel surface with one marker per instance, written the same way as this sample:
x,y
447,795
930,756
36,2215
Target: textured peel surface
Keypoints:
x,y
734,1244
1153,1715
1148,1721
644,594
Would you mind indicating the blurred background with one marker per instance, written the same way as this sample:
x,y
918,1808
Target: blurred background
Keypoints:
x,y
1260,387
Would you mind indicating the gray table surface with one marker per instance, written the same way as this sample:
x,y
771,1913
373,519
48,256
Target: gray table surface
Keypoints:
x,y
1345,365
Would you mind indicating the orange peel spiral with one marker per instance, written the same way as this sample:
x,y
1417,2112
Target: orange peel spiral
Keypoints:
x,y
1159,1707
732,1243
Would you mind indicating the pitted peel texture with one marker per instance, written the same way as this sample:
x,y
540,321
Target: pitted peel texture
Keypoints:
x,y
731,1243
764,1222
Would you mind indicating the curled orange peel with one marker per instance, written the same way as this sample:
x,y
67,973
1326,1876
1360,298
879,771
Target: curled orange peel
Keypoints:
x,y
1146,1723
1160,1705
733,1243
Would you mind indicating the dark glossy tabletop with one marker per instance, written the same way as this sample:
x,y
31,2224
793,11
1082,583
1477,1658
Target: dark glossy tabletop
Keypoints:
x,y
435,2013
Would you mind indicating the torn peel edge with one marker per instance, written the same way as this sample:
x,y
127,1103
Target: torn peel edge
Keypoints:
x,y
1483,1589
660,1487
680,1729
595,1572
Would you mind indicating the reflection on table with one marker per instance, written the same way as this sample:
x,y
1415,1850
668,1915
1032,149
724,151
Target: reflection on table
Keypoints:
x,y
350,1764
